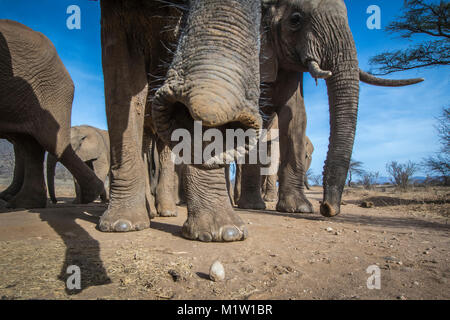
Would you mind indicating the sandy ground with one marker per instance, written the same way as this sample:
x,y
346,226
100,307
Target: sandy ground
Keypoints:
x,y
287,256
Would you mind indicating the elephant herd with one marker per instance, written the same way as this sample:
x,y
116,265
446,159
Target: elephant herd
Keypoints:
x,y
234,64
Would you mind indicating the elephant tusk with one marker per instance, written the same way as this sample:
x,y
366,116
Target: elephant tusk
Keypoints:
x,y
370,79
316,72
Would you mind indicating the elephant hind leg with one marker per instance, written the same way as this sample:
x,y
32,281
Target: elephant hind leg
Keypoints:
x,y
33,193
270,188
250,197
19,172
165,190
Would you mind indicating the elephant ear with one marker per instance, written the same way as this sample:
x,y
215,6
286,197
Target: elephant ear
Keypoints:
x,y
89,148
267,60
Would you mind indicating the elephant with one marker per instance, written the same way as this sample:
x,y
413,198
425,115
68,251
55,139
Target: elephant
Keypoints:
x,y
213,77
269,192
36,94
310,36
92,146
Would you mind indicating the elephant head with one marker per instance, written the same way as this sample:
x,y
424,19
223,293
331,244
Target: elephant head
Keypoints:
x,y
84,141
314,36
214,75
90,144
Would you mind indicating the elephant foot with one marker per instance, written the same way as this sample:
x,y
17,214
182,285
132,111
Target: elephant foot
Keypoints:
x,y
251,200
294,203
6,196
215,225
28,200
271,196
91,193
166,209
124,219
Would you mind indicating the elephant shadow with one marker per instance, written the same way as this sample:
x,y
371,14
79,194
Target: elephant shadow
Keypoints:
x,y
82,250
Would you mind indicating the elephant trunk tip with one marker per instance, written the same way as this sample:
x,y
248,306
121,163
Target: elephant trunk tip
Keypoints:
x,y
327,210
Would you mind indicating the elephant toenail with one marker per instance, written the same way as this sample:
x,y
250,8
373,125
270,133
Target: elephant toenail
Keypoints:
x,y
230,234
205,237
122,226
168,213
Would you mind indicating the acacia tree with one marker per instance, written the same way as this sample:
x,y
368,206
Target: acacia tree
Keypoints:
x,y
355,168
401,173
440,162
369,179
420,17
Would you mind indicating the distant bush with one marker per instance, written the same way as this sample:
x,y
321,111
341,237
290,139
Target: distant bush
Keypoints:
x,y
401,173
369,179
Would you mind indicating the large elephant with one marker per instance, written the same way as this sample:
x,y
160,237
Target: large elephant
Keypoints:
x,y
92,146
36,94
312,36
213,78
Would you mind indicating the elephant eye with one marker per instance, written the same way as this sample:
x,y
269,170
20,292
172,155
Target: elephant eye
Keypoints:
x,y
295,20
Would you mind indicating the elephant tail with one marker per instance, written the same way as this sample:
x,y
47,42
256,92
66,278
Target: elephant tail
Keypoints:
x,y
51,166
375,81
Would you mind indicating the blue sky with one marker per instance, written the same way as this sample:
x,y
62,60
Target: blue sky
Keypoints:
x,y
393,124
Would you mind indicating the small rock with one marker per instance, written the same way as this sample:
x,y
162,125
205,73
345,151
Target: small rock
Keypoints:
x,y
390,259
416,283
329,229
217,272
401,298
367,204
175,275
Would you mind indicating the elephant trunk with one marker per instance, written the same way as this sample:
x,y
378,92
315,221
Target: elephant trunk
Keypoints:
x,y
214,76
343,94
51,167
332,48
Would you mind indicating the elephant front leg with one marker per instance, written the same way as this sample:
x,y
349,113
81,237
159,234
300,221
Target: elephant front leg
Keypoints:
x,y
292,126
126,91
210,214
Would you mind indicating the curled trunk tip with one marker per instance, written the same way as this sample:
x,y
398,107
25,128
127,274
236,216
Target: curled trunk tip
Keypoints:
x,y
327,210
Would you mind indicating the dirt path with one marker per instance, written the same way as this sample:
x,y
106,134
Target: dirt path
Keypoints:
x,y
286,256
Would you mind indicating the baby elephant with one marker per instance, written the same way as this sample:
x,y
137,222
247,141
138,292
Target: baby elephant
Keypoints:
x,y
92,146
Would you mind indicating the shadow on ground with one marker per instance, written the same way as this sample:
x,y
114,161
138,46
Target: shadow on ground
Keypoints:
x,y
81,249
